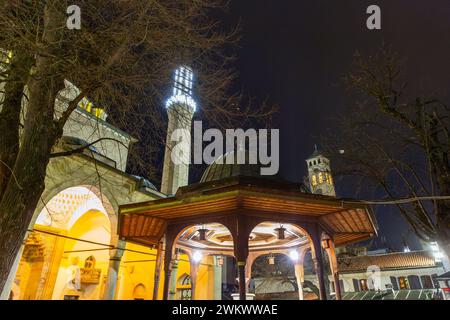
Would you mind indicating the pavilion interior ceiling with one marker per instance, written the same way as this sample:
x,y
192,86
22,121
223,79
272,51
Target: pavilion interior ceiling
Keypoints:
x,y
145,223
262,238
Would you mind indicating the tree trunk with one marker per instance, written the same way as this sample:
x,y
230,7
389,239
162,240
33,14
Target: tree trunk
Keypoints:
x,y
39,135
18,73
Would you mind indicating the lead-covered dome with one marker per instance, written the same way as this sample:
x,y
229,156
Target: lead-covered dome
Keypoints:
x,y
219,169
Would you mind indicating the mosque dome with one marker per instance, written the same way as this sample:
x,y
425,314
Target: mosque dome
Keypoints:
x,y
219,169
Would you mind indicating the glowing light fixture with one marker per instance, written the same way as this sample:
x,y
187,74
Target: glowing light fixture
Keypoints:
x,y
293,254
182,89
197,256
271,259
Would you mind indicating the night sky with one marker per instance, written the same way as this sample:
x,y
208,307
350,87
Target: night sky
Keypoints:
x,y
295,52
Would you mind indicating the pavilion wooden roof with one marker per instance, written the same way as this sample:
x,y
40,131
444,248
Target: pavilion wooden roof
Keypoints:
x,y
145,222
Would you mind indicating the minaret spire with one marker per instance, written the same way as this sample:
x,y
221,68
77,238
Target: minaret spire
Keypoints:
x,y
180,109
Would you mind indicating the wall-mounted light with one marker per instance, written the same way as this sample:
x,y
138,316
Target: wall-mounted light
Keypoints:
x,y
197,256
271,259
293,254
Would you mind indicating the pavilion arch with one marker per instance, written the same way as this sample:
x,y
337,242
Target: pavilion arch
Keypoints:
x,y
269,243
279,236
270,262
187,238
191,254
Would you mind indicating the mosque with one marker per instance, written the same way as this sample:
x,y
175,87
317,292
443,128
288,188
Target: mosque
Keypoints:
x,y
101,233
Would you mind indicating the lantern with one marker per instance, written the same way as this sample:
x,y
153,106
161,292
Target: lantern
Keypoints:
x,y
202,234
271,259
280,231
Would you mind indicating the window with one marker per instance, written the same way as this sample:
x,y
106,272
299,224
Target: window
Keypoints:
x,y
356,285
394,283
329,179
314,180
436,283
184,290
89,263
186,294
320,177
414,282
403,283
186,281
427,283
363,285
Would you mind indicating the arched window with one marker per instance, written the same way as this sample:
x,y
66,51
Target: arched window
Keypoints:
x,y
320,177
184,280
363,285
414,282
314,180
184,290
89,263
427,283
139,292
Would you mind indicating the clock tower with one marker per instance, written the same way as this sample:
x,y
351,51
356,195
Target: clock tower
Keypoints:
x,y
319,174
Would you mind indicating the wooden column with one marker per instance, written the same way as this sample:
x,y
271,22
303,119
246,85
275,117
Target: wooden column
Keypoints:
x,y
248,269
316,245
300,276
158,266
241,252
331,252
168,250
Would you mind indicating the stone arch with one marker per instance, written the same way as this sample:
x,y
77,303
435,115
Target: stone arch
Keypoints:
x,y
103,195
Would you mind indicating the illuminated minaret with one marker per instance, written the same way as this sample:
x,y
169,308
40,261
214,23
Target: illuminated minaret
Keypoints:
x,y
180,109
319,174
